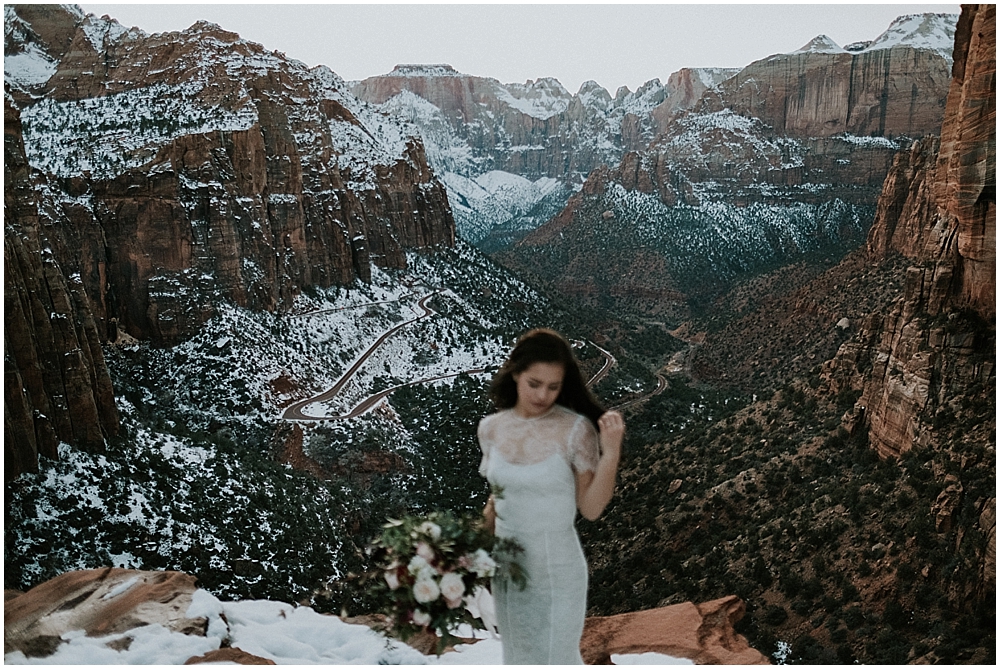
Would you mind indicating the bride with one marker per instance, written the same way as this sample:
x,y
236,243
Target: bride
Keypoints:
x,y
549,450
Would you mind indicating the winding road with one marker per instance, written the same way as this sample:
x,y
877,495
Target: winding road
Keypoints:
x,y
295,411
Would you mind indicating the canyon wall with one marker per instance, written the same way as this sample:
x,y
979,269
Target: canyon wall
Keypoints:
x,y
938,208
153,177
894,85
767,165
56,384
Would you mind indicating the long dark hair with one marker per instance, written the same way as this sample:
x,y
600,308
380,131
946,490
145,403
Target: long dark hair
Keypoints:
x,y
544,345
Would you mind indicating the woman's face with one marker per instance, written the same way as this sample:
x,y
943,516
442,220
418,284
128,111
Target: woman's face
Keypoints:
x,y
538,387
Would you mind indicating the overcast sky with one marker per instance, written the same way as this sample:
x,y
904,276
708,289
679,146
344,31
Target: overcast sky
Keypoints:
x,y
613,44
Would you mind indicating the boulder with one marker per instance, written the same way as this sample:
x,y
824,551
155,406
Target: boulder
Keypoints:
x,y
702,633
100,602
229,656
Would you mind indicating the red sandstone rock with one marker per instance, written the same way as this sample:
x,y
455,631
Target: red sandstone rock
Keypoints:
x,y
809,94
56,384
931,202
702,633
100,602
227,656
940,205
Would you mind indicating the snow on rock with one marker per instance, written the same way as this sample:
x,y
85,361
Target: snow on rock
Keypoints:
x,y
935,32
57,623
98,602
102,32
31,67
539,99
821,44
425,70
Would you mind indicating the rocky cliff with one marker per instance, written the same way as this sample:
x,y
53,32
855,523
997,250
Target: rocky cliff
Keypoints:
x,y
894,85
113,605
56,384
926,366
176,171
938,209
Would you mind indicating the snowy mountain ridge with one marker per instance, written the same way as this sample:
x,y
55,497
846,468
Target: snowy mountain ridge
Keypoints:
x,y
931,32
504,127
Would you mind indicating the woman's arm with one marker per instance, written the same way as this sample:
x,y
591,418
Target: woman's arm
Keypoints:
x,y
490,515
594,489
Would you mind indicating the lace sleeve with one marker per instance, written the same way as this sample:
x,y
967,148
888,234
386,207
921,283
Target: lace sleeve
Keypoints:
x,y
583,446
484,432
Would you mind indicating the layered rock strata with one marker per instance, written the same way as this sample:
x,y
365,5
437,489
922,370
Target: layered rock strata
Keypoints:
x,y
938,208
887,88
56,384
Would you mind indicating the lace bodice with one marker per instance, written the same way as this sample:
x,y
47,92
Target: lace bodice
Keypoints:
x,y
528,441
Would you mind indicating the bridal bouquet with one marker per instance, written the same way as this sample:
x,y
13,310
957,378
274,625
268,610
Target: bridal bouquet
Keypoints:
x,y
431,572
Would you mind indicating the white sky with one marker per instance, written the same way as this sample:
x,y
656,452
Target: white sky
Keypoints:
x,y
613,44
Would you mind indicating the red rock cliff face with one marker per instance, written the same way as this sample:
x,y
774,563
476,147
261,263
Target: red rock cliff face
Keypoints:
x,y
885,92
938,207
56,384
293,191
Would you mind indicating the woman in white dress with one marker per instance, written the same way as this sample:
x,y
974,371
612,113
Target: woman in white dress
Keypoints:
x,y
548,451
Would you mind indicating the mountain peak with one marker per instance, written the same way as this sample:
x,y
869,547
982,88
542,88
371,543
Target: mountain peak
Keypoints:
x,y
821,44
920,31
424,70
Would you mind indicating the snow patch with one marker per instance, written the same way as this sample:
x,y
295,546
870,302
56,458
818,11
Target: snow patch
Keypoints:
x,y
935,32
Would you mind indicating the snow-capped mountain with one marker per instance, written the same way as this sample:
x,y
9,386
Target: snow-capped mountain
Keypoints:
x,y
785,157
474,125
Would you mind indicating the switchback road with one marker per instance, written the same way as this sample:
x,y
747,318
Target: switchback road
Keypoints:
x,y
294,412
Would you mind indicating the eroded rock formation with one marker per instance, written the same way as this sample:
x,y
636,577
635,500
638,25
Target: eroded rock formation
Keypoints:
x,y
926,369
100,602
56,384
938,208
885,89
702,633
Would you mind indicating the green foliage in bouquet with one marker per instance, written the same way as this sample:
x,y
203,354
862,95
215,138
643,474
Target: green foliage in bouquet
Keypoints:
x,y
428,568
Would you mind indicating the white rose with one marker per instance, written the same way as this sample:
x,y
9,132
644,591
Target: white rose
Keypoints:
x,y
484,565
452,586
421,618
417,565
426,590
433,530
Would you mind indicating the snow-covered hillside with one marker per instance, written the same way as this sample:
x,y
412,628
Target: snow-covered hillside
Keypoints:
x,y
193,483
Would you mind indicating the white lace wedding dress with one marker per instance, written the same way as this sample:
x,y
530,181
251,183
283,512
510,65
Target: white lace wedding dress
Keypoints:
x,y
533,461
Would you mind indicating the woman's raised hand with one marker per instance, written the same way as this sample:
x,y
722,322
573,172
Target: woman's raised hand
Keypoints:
x,y
612,431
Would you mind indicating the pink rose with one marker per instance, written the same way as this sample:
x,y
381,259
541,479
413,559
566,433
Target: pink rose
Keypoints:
x,y
425,551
